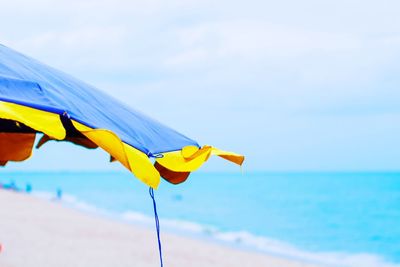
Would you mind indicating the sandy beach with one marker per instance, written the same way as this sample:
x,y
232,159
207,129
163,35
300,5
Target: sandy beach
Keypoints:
x,y
38,233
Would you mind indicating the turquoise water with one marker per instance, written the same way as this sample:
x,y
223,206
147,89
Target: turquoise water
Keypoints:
x,y
349,213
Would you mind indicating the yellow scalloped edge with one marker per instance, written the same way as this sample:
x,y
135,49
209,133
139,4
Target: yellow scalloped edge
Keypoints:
x,y
133,159
186,160
39,120
190,159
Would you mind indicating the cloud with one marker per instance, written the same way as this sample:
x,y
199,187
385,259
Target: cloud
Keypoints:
x,y
255,41
263,77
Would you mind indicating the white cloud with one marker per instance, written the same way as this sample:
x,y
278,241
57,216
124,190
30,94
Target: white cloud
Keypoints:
x,y
255,41
244,66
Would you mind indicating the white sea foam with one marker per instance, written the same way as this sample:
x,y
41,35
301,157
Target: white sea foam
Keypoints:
x,y
246,240
289,251
171,224
240,239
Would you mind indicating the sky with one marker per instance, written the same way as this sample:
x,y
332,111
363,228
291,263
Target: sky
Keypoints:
x,y
293,85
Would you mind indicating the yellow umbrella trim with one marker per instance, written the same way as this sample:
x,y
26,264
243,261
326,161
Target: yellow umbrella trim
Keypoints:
x,y
188,159
191,158
133,159
41,121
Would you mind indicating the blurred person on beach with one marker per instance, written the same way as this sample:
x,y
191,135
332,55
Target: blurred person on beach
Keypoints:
x,y
11,186
28,188
59,194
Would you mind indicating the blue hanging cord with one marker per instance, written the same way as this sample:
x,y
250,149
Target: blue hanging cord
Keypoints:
x,y
151,192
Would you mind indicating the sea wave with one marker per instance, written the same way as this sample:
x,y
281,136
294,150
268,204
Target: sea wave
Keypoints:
x,y
240,239
249,241
286,250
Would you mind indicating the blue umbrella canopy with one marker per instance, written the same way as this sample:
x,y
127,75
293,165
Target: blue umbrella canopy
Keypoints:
x,y
36,98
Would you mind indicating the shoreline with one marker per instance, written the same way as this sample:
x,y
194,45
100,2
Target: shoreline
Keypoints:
x,y
207,235
237,240
38,233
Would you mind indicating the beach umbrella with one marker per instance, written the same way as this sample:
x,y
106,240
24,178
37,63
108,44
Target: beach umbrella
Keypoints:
x,y
36,98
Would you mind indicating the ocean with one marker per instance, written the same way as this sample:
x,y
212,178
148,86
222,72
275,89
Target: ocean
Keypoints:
x,y
335,219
